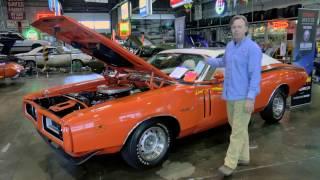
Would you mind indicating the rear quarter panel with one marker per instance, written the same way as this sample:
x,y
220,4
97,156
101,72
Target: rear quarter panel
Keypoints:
x,y
276,76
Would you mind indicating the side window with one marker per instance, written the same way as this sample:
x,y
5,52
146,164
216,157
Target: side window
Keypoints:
x,y
53,51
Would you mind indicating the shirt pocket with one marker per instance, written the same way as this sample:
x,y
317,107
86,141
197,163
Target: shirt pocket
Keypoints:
x,y
242,56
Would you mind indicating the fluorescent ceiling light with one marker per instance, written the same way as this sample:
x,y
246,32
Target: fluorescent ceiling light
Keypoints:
x,y
97,1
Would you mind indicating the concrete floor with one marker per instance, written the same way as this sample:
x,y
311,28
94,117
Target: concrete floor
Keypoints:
x,y
288,150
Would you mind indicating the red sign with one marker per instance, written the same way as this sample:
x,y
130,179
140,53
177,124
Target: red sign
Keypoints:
x,y
42,15
16,10
279,24
177,3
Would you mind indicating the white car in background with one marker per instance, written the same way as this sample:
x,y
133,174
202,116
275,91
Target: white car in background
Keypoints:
x,y
21,44
58,57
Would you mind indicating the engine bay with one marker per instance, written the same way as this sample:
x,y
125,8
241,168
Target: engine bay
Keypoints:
x,y
68,103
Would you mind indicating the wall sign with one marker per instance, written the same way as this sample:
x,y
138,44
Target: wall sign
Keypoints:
x,y
11,24
16,10
278,24
197,12
124,29
145,7
31,33
220,6
177,3
124,11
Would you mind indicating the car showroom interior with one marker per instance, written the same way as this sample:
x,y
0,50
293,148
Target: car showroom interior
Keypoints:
x,y
159,89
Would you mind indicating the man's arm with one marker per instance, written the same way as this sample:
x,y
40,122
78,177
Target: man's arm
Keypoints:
x,y
254,69
217,62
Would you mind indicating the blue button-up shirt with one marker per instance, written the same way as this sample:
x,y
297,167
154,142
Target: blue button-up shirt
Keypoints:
x,y
242,62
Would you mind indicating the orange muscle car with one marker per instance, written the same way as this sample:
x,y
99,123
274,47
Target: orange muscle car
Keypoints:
x,y
9,69
139,108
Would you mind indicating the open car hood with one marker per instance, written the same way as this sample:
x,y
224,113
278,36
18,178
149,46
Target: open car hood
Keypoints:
x,y
7,45
70,31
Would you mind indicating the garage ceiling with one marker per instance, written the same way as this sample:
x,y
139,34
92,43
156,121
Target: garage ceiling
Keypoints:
x,y
77,6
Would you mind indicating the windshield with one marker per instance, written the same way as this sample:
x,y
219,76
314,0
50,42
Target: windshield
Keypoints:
x,y
178,65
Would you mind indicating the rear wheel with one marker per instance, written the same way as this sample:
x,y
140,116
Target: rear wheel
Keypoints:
x,y
30,67
77,65
276,108
148,146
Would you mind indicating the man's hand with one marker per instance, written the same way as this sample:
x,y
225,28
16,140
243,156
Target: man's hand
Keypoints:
x,y
249,105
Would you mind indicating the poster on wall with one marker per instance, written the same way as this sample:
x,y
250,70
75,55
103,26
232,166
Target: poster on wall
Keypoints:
x,y
16,10
179,29
304,52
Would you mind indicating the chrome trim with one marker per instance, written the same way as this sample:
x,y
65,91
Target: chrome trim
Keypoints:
x,y
273,94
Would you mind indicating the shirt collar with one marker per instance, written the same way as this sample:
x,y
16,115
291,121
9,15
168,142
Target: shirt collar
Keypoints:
x,y
241,42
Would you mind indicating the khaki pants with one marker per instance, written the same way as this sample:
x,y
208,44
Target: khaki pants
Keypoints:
x,y
239,139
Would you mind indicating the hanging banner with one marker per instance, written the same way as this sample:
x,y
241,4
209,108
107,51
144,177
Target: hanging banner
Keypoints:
x,y
16,10
197,12
179,29
304,52
145,7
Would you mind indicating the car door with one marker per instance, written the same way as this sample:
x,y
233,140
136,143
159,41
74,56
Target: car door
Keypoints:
x,y
209,98
57,58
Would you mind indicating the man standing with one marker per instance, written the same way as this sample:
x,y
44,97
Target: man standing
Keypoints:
x,y
242,62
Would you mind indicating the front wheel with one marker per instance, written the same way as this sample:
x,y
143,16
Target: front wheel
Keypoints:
x,y
276,108
148,146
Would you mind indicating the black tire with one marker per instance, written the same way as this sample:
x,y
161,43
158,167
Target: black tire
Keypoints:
x,y
35,46
133,152
270,114
77,64
30,67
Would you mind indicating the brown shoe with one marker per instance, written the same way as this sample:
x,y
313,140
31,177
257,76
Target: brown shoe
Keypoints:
x,y
243,163
225,170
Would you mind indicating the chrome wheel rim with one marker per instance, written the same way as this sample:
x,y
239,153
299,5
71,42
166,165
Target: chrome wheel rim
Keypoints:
x,y
278,106
153,143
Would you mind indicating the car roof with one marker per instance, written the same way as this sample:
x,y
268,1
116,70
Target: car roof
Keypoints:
x,y
206,52
266,60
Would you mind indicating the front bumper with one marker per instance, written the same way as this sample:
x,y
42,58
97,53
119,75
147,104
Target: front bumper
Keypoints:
x,y
62,143
74,160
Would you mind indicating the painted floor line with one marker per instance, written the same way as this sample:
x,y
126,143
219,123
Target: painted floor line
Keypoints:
x,y
255,168
5,148
277,164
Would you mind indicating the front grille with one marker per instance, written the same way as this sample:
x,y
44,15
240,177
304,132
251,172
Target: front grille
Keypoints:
x,y
31,111
52,127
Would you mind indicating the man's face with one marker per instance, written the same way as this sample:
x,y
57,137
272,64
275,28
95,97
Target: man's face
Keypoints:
x,y
238,29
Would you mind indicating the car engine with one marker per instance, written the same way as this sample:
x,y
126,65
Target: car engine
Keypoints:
x,y
66,104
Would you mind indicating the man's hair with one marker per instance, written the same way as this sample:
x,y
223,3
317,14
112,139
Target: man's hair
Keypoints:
x,y
236,17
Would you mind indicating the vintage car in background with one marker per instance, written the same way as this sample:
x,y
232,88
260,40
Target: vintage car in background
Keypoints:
x,y
21,44
148,48
9,68
58,57
139,108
